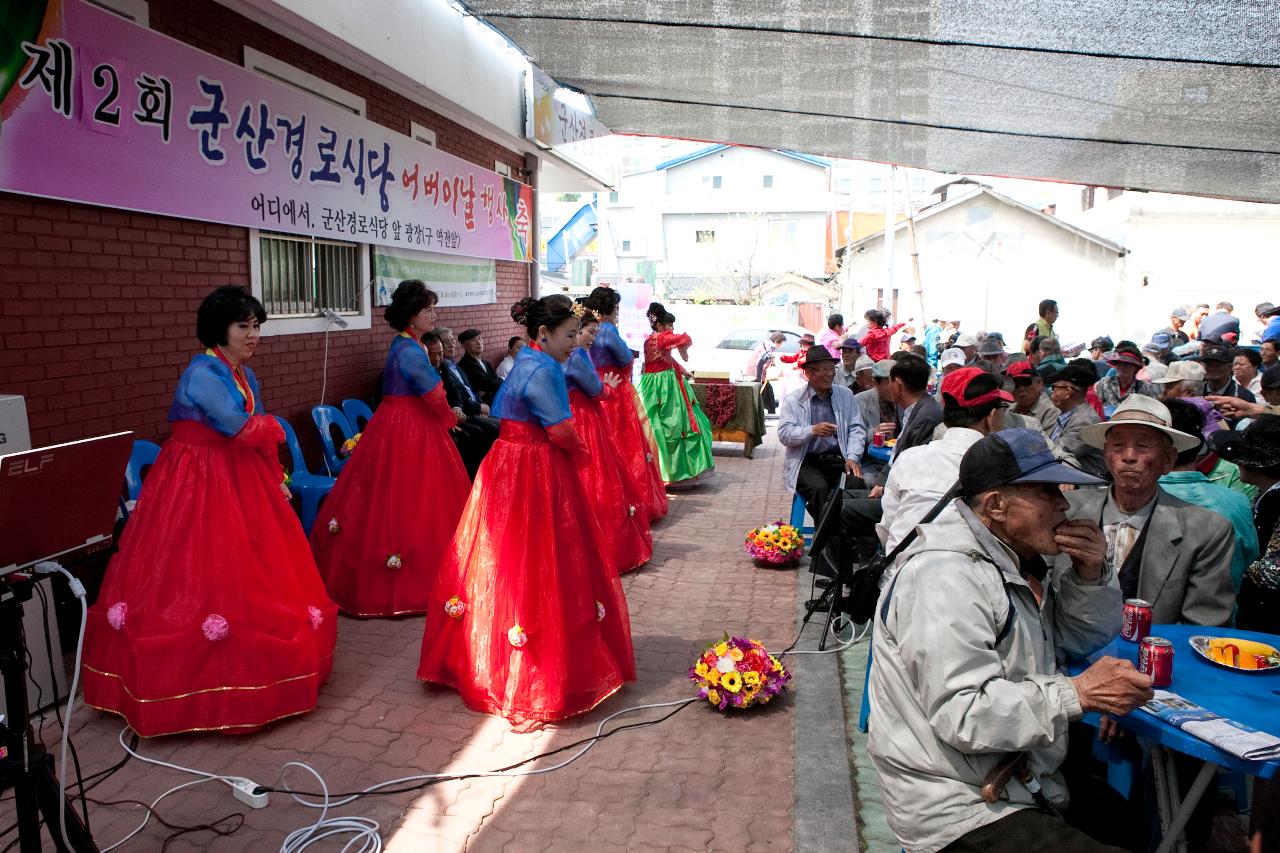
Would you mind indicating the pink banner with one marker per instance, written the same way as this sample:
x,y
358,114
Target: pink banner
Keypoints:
x,y
101,111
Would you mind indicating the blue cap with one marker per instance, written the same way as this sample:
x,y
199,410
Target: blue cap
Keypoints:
x,y
1016,456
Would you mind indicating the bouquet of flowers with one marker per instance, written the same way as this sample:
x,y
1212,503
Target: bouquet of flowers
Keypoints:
x,y
349,446
777,544
738,673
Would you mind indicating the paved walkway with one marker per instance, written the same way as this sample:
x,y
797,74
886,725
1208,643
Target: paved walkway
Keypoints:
x,y
699,781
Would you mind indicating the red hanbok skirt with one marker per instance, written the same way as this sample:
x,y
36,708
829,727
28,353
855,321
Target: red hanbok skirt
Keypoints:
x,y
382,533
622,524
526,622
628,425
212,617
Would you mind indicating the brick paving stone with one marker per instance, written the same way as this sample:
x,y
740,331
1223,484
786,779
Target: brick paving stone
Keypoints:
x,y
671,786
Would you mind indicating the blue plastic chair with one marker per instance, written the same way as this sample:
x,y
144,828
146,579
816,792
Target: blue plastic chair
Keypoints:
x,y
310,489
326,418
797,520
357,414
143,457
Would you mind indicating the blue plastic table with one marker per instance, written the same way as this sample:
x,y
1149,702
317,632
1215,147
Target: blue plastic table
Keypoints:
x,y
1251,698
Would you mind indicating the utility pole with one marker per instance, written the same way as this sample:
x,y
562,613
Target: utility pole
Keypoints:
x,y
915,253
890,223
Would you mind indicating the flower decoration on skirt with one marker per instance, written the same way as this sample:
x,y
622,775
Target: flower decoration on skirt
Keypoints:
x,y
517,637
349,446
215,627
455,607
393,562
116,614
334,527
600,612
315,616
775,544
738,673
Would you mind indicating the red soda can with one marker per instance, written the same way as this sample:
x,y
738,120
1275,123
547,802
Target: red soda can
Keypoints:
x,y
1155,658
878,439
1135,621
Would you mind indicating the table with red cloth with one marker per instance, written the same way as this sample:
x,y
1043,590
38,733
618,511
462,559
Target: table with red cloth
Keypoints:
x,y
734,411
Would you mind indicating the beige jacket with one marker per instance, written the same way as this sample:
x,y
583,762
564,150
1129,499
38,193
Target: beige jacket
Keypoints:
x,y
958,680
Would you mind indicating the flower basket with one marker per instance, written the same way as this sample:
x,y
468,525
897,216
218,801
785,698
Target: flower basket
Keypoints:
x,y
738,673
775,544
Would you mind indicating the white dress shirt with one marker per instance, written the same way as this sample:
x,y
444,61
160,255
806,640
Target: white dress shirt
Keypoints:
x,y
920,476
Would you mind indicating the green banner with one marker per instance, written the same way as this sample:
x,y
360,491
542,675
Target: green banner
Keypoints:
x,y
457,281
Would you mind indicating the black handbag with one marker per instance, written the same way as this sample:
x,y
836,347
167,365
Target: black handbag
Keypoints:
x,y
864,589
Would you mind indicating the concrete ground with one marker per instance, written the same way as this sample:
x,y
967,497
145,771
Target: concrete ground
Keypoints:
x,y
701,780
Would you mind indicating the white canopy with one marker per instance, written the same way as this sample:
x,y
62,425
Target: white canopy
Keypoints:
x,y
1171,95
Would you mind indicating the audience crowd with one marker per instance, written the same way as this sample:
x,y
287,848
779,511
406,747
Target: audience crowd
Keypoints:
x,y
1085,477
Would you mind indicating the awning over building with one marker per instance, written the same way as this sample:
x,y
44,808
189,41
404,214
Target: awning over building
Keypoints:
x,y
1171,95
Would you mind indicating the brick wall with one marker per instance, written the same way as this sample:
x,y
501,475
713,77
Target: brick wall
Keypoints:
x,y
97,306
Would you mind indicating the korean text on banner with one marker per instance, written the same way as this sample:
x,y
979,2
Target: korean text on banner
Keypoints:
x,y
96,109
457,281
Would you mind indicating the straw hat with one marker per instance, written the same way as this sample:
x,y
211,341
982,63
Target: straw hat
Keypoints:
x,y
1140,410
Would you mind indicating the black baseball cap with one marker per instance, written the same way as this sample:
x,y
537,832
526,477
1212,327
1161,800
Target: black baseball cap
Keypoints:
x,y
1103,343
1017,456
468,335
1079,375
1216,352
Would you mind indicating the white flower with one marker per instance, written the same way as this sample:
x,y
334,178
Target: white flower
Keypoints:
x,y
393,562
334,527
516,636
725,664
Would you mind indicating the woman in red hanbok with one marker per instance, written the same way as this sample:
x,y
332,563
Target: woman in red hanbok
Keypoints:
x,y
628,423
212,616
524,622
384,529
623,525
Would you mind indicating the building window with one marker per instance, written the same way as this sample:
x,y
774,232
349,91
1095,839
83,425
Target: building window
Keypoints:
x,y
626,245
422,133
298,277
768,182
305,276
712,181
613,198
877,185
137,11
1086,198
704,236
844,184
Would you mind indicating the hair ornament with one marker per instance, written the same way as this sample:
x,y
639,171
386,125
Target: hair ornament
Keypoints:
x,y
579,310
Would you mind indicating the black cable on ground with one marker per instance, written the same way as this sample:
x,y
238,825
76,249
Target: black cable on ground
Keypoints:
x,y
180,829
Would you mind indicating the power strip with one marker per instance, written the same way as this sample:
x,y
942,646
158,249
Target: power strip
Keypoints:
x,y
248,792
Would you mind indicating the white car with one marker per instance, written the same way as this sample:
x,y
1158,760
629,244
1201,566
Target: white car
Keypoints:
x,y
731,354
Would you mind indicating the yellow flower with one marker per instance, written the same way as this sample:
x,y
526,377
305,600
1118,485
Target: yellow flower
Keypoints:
x,y
713,697
720,649
731,681
701,669
752,679
712,677
735,653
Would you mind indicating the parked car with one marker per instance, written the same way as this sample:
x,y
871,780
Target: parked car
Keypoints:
x,y
731,354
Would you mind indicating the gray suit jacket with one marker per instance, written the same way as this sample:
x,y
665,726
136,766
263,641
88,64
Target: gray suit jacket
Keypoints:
x,y
1085,456
1186,561
925,417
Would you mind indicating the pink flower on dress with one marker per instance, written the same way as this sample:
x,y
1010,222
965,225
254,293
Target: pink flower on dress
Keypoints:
x,y
116,614
455,607
315,616
393,562
600,611
215,627
516,636
334,527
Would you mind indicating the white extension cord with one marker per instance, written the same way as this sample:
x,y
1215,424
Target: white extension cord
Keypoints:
x,y
362,830
48,567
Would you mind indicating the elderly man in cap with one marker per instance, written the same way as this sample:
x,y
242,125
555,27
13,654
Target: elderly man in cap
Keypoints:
x,y
1113,390
968,638
1219,382
880,414
1234,407
1029,399
1178,318
1067,390
951,359
991,354
1173,554
822,430
846,372
1182,379
968,344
